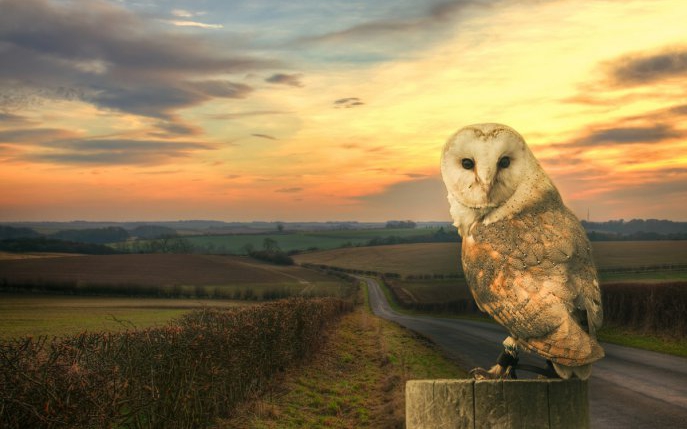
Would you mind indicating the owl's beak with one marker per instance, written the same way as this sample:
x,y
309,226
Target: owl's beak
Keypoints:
x,y
485,179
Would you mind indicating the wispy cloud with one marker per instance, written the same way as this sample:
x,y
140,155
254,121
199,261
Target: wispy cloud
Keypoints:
x,y
628,135
180,23
286,79
348,102
648,67
289,190
114,151
264,136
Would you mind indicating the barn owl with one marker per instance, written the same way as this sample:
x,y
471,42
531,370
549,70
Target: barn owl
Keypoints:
x,y
526,258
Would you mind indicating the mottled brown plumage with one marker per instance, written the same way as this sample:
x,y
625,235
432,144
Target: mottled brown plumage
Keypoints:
x,y
525,255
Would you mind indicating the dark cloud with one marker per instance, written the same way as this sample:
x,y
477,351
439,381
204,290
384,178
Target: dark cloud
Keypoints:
x,y
33,136
286,79
347,103
114,151
264,136
176,127
108,56
628,135
402,28
222,88
289,190
10,118
647,68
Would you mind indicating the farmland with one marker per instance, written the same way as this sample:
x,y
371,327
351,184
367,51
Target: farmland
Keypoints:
x,y
444,258
299,240
58,315
137,286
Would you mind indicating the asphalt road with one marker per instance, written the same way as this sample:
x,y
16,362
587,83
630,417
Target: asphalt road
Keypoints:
x,y
629,388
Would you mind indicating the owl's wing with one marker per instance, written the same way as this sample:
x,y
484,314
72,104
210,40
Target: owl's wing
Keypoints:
x,y
534,274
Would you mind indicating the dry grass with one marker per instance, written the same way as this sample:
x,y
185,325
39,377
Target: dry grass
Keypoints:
x,y
356,381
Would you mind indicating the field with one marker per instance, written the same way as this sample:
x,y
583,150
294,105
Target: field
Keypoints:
x,y
300,240
166,272
58,315
444,258
138,286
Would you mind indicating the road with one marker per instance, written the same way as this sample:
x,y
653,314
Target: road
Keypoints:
x,y
629,388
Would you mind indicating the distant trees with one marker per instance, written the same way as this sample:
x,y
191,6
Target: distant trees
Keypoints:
x,y
10,232
110,234
153,231
271,253
401,224
43,244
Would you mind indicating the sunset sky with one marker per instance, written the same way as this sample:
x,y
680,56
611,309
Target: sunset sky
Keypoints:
x,y
332,109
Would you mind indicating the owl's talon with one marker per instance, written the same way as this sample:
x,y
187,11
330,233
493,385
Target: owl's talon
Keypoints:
x,y
497,372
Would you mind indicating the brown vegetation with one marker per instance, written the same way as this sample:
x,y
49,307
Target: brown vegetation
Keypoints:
x,y
183,375
657,309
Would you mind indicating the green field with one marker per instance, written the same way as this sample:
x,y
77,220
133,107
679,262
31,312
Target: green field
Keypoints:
x,y
57,315
300,240
138,287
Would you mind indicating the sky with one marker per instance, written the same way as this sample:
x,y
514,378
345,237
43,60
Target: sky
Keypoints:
x,y
337,110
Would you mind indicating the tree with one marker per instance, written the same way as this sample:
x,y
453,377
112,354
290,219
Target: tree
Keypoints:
x,y
270,245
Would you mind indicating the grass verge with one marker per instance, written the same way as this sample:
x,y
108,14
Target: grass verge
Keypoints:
x,y
630,338
357,380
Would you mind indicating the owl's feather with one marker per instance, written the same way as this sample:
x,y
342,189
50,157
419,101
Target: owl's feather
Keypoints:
x,y
526,257
535,276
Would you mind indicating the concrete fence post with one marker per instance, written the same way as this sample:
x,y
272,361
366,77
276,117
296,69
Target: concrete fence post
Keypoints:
x,y
516,404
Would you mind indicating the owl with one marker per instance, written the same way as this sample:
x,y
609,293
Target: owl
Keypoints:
x,y
525,255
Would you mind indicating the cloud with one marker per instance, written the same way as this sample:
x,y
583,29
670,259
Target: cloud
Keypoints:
x,y
229,116
196,24
399,28
34,136
629,135
645,68
285,79
289,190
347,103
182,13
264,136
108,56
114,151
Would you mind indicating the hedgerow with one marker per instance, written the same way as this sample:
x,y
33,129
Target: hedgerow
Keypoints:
x,y
185,374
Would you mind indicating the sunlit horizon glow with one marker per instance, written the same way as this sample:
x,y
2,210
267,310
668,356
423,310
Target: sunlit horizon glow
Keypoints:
x,y
338,110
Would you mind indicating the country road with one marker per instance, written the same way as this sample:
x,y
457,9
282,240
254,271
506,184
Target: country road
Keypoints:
x,y
629,388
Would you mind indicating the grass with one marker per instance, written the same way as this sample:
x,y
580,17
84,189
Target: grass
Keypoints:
x,y
36,315
357,380
630,338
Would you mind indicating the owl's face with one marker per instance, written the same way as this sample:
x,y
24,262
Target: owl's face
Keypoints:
x,y
482,165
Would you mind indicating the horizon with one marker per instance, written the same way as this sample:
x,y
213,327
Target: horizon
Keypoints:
x,y
114,109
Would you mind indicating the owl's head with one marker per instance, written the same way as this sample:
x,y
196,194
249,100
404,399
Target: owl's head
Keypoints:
x,y
483,165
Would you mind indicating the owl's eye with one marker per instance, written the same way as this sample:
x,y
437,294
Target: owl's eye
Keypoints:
x,y
467,163
504,162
